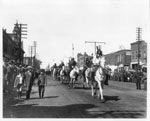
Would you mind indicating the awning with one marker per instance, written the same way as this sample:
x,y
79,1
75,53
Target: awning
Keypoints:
x,y
137,63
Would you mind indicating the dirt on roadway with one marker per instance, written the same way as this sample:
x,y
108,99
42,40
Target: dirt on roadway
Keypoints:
x,y
61,102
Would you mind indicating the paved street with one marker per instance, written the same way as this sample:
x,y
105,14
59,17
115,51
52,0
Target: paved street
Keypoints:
x,y
122,101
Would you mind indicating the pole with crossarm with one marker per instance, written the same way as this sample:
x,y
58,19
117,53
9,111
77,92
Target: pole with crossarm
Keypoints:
x,y
95,42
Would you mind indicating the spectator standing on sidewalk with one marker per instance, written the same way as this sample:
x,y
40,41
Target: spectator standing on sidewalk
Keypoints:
x,y
8,76
28,76
42,82
137,76
5,76
18,84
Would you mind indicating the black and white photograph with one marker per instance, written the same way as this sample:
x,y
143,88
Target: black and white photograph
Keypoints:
x,y
74,59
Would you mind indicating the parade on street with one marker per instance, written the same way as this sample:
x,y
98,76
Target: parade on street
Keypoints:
x,y
61,102
75,59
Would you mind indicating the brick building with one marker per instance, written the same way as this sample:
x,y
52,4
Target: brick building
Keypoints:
x,y
11,45
142,54
121,57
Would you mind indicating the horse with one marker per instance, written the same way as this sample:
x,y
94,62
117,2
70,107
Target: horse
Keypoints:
x,y
54,73
58,73
96,78
62,74
82,75
73,76
65,74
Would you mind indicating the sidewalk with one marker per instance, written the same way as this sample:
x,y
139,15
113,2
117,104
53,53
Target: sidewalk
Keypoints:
x,y
125,85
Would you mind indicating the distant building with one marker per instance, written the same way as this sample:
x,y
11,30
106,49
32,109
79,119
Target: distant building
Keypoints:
x,y
27,61
11,45
119,58
81,59
35,63
142,54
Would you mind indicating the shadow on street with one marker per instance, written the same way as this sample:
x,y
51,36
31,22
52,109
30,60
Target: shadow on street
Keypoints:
x,y
67,111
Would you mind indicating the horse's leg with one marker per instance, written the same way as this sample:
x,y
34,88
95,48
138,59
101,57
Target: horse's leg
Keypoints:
x,y
84,80
96,85
92,88
69,84
73,83
87,83
100,90
61,79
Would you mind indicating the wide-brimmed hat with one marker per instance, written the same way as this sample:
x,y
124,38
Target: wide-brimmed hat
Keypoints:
x,y
29,67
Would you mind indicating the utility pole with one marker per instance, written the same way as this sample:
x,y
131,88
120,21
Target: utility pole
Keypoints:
x,y
95,42
73,50
31,51
34,45
22,31
139,32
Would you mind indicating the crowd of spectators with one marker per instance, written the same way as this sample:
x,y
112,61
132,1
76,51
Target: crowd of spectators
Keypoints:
x,y
138,76
12,70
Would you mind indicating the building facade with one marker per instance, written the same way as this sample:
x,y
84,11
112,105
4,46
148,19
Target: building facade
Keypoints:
x,y
12,45
142,49
119,58
9,47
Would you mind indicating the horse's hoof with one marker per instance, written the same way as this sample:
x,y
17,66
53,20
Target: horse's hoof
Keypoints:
x,y
83,87
102,101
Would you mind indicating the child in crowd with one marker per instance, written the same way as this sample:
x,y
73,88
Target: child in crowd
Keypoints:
x,y
18,84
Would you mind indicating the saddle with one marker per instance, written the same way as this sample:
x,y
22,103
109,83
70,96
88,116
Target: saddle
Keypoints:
x,y
94,69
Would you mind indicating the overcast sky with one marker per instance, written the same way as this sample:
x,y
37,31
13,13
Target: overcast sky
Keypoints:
x,y
57,24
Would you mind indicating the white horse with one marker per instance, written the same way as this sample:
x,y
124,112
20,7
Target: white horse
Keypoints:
x,y
54,73
97,77
62,74
73,76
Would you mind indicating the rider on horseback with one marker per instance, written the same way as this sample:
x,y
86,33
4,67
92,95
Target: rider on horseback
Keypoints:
x,y
97,61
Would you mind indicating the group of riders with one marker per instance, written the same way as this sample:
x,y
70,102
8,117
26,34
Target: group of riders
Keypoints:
x,y
94,72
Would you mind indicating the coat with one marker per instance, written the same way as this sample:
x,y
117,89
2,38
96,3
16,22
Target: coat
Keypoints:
x,y
42,80
28,76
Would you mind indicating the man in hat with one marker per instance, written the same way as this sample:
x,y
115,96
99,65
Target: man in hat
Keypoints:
x,y
42,82
28,76
138,76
